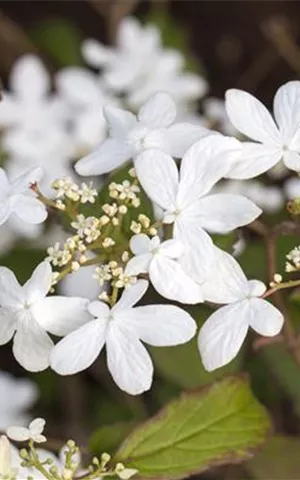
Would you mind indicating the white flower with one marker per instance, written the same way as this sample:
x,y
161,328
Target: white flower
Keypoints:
x,y
30,103
274,141
26,313
130,135
33,432
292,188
222,335
85,95
185,201
139,65
16,396
121,329
168,76
52,149
165,272
16,198
130,61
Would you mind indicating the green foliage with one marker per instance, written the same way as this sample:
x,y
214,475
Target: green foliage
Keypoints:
x,y
278,460
22,261
109,437
60,40
219,424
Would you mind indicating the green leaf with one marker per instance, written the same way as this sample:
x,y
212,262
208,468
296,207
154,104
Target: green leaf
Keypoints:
x,y
278,460
219,424
109,437
60,39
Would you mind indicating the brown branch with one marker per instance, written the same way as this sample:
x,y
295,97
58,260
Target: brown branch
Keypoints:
x,y
279,32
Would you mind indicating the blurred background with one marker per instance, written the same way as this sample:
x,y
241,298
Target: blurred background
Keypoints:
x,y
249,45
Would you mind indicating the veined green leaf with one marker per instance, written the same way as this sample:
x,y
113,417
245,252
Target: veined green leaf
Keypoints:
x,y
219,424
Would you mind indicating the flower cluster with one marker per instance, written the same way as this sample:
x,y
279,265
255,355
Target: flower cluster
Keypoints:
x,y
36,463
157,225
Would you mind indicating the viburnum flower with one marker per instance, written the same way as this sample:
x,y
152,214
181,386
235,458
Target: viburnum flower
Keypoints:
x,y
126,64
122,329
33,432
30,103
17,199
16,396
26,314
130,135
185,201
168,75
160,261
139,65
85,96
274,141
223,334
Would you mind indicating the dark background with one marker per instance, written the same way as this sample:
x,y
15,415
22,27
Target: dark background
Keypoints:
x,y
245,44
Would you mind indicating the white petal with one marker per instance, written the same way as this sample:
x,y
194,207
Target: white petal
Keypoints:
x,y
9,111
5,211
140,243
265,319
131,295
128,361
23,182
7,325
256,288
158,112
79,86
94,53
254,160
292,160
251,117
32,345
39,283
226,282
61,315
30,209
205,163
139,264
199,251
182,135
170,281
119,121
222,213
29,78
158,175
78,350
171,248
37,426
11,293
112,153
18,434
99,309
4,183
222,335
287,110
161,325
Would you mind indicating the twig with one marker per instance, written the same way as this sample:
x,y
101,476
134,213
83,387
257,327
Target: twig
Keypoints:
x,y
278,31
